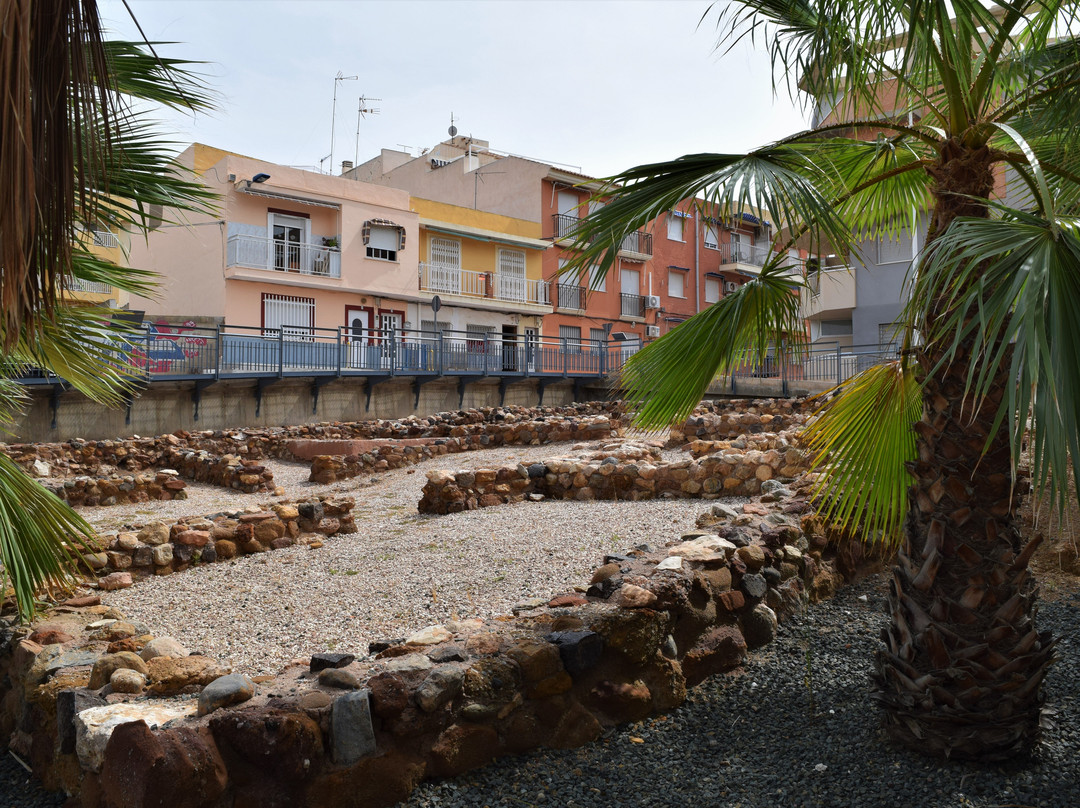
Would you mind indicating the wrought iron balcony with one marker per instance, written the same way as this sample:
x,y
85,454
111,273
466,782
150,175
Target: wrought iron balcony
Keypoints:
x,y
566,228
571,296
632,305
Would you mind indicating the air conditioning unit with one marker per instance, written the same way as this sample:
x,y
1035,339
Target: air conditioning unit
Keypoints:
x,y
730,286
652,331
652,301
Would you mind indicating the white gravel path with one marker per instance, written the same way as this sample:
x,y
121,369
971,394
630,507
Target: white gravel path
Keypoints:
x,y
400,572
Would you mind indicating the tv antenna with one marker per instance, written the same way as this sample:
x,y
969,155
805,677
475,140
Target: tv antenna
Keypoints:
x,y
321,162
333,115
363,108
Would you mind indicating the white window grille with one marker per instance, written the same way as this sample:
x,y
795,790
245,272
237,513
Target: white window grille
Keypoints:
x,y
445,270
895,251
511,283
293,317
105,238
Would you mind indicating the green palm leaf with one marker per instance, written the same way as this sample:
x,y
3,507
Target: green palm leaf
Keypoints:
x,y
861,441
40,536
666,380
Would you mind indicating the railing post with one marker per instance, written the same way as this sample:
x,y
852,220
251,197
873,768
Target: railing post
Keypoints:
x,y
440,333
839,371
281,351
565,356
219,350
782,356
340,346
393,351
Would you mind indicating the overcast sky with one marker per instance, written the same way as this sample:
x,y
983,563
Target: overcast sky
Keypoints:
x,y
600,85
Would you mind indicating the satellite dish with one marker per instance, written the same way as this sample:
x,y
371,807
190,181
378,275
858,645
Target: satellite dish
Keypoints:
x,y
452,130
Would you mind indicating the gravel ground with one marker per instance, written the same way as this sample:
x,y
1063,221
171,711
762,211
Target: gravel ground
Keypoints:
x,y
756,740
400,572
752,740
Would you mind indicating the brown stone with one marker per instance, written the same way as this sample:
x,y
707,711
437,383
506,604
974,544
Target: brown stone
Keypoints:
x,y
603,573
720,650
732,600
753,556
252,518
551,686
462,747
275,751
178,767
622,701
389,695
193,538
225,549
536,660
82,602
269,530
483,643
576,727
635,597
567,600
171,675
105,665
47,634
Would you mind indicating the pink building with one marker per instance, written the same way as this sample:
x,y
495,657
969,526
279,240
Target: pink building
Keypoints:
x,y
289,250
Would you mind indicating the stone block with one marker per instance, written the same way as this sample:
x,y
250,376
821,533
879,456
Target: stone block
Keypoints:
x,y
352,736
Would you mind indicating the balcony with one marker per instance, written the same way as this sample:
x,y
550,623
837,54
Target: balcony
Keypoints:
x,y
632,305
260,252
105,238
448,280
571,296
635,247
831,293
748,255
74,284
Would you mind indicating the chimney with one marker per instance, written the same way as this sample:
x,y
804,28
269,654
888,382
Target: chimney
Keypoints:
x,y
346,165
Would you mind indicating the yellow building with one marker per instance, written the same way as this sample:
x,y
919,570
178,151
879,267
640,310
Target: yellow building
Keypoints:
x,y
103,243
486,270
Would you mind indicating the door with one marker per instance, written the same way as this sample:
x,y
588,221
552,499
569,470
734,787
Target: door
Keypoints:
x,y
567,220
509,348
288,242
630,286
511,278
390,325
444,266
361,353
532,348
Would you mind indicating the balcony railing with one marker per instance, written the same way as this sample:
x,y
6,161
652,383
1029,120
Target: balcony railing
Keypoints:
x,y
632,305
260,252
638,242
738,253
105,238
448,280
571,296
566,228
78,285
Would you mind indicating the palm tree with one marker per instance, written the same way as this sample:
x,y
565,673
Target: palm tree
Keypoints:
x,y
937,106
74,153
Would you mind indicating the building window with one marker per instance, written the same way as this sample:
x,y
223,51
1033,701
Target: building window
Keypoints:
x,y
712,290
291,317
676,283
712,237
511,279
597,338
383,239
836,328
895,251
572,335
675,227
889,335
597,279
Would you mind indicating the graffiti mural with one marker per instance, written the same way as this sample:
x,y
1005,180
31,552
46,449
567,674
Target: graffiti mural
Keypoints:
x,y
168,346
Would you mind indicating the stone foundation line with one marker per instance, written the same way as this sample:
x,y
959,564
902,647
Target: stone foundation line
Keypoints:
x,y
117,717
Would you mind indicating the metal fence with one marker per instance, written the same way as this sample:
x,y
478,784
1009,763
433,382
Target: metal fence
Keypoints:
x,y
824,363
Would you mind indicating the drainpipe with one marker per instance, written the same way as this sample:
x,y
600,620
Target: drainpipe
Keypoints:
x,y
697,259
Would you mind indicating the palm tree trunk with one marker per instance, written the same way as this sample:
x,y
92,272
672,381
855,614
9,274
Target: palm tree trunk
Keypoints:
x,y
963,663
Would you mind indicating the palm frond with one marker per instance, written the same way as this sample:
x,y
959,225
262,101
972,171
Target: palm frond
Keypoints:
x,y
861,441
39,536
666,380
1009,290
